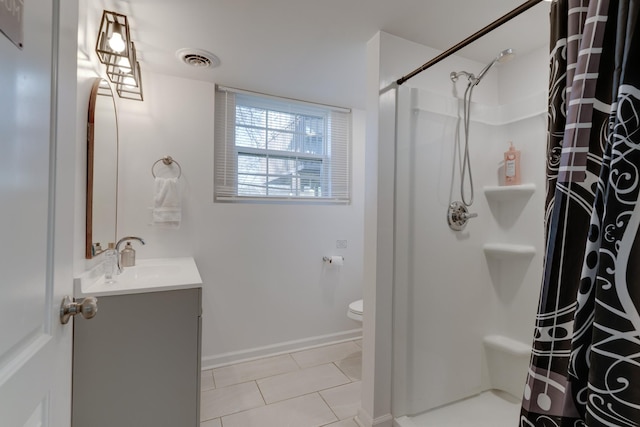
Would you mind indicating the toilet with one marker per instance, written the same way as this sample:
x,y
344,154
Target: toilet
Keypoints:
x,y
355,310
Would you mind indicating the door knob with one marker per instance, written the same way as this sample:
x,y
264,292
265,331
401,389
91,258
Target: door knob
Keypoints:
x,y
88,308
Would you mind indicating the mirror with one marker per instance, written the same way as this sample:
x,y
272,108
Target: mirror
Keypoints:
x,y
102,169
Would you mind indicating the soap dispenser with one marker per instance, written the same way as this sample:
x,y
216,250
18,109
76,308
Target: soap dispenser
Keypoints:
x,y
511,165
128,256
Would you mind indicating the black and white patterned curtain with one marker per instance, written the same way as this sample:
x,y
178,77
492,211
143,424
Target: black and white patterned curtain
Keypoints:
x,y
585,363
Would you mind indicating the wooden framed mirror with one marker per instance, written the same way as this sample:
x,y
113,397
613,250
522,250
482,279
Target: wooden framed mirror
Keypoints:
x,y
102,169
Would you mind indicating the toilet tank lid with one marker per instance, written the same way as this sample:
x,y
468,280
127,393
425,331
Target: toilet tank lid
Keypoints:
x,y
356,306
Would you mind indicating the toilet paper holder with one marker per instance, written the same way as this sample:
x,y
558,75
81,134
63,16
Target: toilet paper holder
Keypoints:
x,y
336,259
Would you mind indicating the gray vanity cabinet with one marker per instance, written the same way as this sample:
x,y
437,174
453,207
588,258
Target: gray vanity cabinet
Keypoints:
x,y
137,362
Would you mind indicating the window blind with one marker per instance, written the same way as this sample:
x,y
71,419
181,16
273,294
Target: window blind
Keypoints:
x,y
269,148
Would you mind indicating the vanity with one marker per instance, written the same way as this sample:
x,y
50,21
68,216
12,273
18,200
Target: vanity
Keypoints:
x,y
137,362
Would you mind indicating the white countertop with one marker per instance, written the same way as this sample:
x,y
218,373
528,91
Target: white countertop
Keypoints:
x,y
148,275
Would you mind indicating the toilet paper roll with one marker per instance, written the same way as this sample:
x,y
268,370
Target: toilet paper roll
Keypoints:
x,y
336,260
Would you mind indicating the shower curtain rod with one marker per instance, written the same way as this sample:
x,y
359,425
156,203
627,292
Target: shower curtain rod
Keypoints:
x,y
495,24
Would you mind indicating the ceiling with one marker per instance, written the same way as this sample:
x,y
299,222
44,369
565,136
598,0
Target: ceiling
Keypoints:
x,y
314,49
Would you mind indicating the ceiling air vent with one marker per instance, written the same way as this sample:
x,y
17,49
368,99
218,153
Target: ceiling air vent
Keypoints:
x,y
198,58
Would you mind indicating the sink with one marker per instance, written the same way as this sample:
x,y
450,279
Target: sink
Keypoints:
x,y
148,275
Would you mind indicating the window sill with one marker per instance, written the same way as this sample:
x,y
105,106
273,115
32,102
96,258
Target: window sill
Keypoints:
x,y
282,200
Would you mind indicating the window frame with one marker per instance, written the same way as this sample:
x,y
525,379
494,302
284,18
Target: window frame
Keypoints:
x,y
335,162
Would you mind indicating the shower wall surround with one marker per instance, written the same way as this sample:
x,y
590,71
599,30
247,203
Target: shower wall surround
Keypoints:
x,y
448,295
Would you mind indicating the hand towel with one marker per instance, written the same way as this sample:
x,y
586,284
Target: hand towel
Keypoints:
x,y
167,210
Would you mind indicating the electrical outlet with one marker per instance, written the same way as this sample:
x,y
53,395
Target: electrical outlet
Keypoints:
x,y
341,244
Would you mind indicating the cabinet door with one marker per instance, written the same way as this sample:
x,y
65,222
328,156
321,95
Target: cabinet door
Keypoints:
x,y
137,362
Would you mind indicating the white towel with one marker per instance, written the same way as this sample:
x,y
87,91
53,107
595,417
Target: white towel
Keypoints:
x,y
167,209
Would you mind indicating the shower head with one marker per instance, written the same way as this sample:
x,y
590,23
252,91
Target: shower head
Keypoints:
x,y
503,56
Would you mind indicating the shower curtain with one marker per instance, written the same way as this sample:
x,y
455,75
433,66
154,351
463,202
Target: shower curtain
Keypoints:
x,y
585,363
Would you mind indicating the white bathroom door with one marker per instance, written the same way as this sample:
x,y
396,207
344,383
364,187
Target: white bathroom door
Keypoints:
x,y
36,208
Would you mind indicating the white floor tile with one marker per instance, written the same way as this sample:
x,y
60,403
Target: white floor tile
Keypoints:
x,y
249,371
304,381
351,366
330,353
228,400
211,423
304,411
206,380
344,400
344,423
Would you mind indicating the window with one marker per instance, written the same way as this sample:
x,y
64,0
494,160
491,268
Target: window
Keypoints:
x,y
269,148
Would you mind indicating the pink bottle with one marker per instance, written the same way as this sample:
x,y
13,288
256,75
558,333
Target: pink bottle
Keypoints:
x,y
511,166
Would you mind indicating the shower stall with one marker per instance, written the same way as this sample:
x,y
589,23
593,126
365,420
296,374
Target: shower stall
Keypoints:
x,y
463,302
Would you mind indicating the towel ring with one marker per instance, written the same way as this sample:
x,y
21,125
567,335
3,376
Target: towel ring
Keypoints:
x,y
167,160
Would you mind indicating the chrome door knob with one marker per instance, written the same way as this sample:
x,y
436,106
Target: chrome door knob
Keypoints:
x,y
88,308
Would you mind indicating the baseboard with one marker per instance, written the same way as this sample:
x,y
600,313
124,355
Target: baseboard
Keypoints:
x,y
403,422
218,360
364,420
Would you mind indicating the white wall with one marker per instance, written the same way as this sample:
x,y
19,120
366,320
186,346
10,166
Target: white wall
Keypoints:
x,y
266,288
388,58
516,285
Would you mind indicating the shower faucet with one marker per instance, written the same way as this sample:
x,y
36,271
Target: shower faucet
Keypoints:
x,y
458,215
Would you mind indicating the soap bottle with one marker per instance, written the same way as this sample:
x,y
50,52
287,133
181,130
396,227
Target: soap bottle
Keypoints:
x,y
128,256
511,165
110,263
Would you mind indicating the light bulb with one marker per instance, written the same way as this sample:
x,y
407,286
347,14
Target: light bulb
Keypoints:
x,y
116,42
124,65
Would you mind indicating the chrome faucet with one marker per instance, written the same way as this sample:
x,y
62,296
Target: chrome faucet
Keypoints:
x,y
124,239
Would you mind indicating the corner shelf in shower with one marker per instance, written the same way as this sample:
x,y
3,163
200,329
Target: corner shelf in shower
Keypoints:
x,y
508,251
501,193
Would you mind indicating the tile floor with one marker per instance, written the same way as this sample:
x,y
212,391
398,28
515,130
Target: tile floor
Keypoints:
x,y
309,388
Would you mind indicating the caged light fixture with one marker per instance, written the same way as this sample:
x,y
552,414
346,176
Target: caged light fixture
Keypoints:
x,y
118,53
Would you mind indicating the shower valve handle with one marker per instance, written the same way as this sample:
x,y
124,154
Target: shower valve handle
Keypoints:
x,y
458,215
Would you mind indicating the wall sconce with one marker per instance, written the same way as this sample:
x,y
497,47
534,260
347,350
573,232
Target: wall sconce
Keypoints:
x,y
118,53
